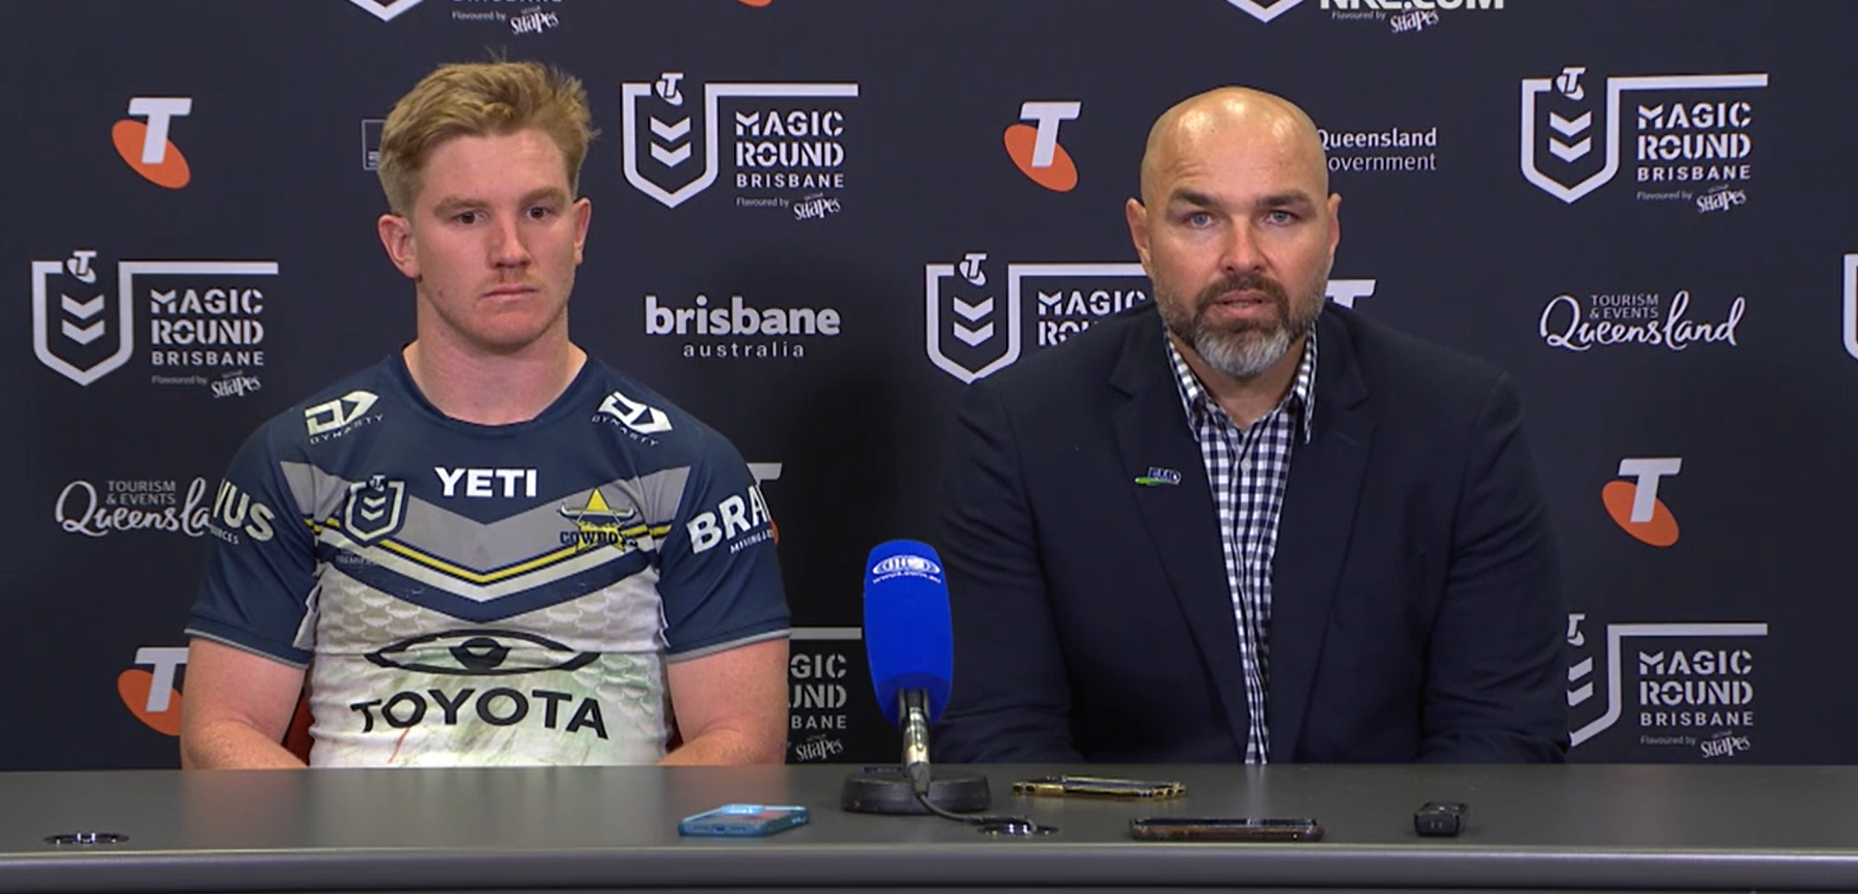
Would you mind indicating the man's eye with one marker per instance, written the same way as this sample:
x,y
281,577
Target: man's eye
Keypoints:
x,y
1281,217
540,211
1199,219
466,217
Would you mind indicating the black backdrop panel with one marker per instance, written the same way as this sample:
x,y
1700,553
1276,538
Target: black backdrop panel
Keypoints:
x,y
1641,208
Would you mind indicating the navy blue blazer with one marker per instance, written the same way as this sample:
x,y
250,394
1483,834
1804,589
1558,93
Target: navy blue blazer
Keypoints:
x,y
1416,600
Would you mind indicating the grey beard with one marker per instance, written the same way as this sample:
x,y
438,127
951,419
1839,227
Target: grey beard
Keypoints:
x,y
1241,355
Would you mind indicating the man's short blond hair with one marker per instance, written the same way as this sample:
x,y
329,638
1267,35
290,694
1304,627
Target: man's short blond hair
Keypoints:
x,y
481,99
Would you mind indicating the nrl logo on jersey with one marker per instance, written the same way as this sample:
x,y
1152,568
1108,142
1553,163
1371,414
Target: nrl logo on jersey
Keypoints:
x,y
787,137
376,509
1690,133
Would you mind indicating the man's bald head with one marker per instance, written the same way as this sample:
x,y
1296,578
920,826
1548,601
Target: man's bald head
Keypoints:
x,y
1194,125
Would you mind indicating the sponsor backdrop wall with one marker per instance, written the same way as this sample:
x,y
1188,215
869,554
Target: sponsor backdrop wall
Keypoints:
x,y
817,220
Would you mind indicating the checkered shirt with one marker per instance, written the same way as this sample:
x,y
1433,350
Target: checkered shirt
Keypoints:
x,y
1248,470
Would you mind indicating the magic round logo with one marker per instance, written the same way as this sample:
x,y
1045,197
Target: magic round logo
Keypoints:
x,y
1692,136
785,144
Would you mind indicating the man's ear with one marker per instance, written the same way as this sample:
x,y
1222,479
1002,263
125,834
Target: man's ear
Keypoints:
x,y
396,234
583,215
1335,221
1137,217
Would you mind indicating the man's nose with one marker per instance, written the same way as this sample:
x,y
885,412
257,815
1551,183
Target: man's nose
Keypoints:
x,y
507,248
1239,251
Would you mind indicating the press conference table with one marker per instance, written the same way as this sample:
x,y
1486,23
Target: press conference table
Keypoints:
x,y
1693,828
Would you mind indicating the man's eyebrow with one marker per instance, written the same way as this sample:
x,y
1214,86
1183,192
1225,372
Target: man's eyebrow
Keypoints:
x,y
1192,197
1292,199
547,192
452,204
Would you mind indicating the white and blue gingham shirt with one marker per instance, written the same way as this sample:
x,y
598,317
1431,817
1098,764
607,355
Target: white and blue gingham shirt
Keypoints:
x,y
1249,470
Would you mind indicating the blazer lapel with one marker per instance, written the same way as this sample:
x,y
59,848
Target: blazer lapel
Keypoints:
x,y
1152,433
1313,532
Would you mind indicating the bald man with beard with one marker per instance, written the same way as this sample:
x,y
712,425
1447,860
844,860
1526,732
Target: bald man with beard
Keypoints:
x,y
1238,525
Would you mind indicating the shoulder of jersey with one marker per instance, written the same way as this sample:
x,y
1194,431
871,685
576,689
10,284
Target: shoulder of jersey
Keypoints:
x,y
353,402
643,415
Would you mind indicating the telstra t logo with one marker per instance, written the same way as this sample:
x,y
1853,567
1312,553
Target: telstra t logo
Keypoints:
x,y
145,147
1635,506
1035,149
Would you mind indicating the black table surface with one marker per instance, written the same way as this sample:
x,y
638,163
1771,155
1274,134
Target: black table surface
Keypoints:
x,y
1594,827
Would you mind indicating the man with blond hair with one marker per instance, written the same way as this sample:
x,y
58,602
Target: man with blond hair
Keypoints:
x,y
488,548
1190,535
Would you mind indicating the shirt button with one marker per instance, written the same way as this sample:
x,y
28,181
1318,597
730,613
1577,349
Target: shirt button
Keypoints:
x,y
1245,465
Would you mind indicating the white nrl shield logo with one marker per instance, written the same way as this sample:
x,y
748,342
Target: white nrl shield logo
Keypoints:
x,y
969,334
1568,140
386,10
669,136
376,507
1851,305
1580,673
1265,11
84,321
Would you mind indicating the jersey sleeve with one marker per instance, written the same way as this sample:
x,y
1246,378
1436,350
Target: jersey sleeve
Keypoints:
x,y
260,574
720,580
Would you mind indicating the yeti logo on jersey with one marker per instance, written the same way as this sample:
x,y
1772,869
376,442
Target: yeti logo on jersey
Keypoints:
x,y
640,418
376,508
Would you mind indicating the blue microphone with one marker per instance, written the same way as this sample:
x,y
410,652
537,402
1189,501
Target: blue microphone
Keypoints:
x,y
910,641
908,634
909,638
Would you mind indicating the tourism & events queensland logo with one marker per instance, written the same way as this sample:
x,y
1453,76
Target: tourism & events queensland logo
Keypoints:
x,y
1581,322
1400,16
205,319
98,509
1693,686
973,330
786,142
1693,137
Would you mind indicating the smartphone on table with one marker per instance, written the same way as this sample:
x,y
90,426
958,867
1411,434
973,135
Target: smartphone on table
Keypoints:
x,y
1099,787
744,820
1223,828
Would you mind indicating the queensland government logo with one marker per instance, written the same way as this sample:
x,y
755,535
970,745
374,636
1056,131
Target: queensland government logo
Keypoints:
x,y
786,144
1692,687
1398,150
973,331
203,317
1692,140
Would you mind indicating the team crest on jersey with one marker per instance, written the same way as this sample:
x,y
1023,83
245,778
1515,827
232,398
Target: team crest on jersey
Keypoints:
x,y
376,508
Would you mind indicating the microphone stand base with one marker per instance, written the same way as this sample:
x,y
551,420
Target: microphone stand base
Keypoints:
x,y
887,790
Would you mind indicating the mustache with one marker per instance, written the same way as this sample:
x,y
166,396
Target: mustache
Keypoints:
x,y
1243,282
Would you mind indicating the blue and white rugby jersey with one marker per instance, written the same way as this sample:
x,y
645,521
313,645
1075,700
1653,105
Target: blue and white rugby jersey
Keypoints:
x,y
469,594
